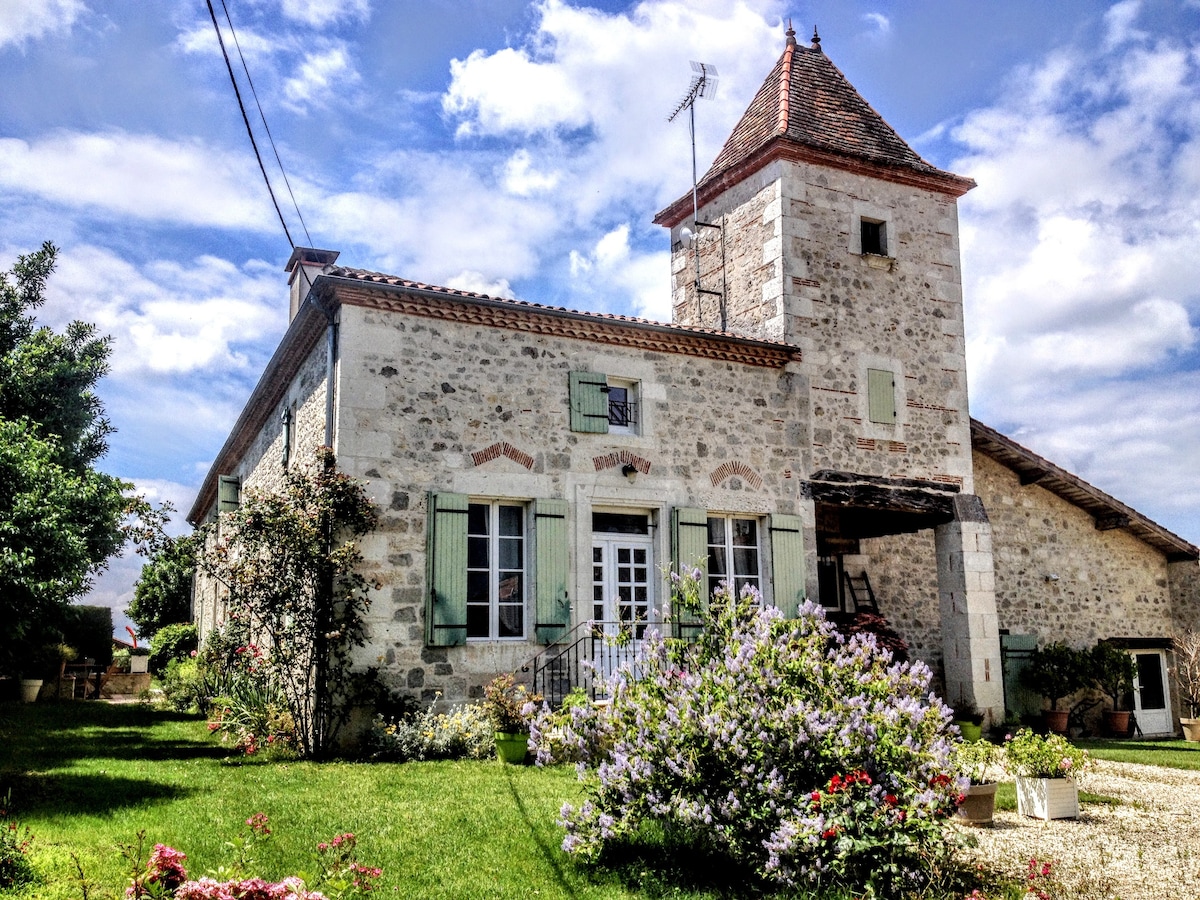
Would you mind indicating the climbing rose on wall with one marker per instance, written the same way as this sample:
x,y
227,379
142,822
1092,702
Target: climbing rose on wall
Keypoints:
x,y
815,758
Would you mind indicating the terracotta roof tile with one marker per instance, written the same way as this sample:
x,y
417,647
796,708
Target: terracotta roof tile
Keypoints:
x,y
363,275
807,99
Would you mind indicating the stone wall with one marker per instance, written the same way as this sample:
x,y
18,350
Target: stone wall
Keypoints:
x,y
438,405
1109,584
262,469
794,271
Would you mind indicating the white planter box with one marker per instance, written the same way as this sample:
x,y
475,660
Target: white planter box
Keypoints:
x,y
1048,798
139,664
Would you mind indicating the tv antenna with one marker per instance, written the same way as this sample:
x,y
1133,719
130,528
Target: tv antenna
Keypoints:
x,y
704,84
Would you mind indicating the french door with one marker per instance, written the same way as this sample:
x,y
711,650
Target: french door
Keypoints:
x,y
622,597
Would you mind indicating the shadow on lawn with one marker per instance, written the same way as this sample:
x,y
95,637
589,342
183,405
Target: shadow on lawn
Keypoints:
x,y
41,737
98,794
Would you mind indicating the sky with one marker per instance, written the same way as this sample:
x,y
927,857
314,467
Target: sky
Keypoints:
x,y
522,149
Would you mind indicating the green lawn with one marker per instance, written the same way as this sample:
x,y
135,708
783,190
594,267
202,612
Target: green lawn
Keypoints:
x,y
88,776
1172,754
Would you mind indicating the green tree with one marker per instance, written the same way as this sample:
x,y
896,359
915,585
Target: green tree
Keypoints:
x,y
163,592
60,519
290,563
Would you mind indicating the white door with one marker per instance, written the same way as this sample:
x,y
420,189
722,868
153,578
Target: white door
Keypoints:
x,y
622,597
1151,695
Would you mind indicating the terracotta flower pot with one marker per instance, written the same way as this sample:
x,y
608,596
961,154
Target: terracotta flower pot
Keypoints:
x,y
1116,722
30,688
1191,729
1056,720
979,804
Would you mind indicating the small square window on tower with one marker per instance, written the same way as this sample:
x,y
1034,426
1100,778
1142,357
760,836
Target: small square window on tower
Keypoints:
x,y
874,237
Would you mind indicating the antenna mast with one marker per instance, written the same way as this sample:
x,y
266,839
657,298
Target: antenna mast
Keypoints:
x,y
704,84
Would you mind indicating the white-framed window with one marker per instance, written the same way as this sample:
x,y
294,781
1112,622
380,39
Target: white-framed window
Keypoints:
x,y
734,552
622,406
496,570
604,404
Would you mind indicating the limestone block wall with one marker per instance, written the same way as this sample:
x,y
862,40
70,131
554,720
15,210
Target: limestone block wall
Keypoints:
x,y
261,467
1109,583
429,404
794,271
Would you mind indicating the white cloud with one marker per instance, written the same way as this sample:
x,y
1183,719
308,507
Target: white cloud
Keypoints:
x,y
1081,281
167,318
1119,21
521,179
26,20
879,22
477,283
138,176
320,75
613,267
324,12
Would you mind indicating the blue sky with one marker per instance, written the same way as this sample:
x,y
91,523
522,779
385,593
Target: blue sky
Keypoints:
x,y
522,149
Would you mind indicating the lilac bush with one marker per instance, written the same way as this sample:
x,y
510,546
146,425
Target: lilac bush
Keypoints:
x,y
816,759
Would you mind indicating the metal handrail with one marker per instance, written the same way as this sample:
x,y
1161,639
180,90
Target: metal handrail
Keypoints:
x,y
583,658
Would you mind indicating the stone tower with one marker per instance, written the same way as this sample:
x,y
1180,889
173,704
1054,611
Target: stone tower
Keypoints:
x,y
818,226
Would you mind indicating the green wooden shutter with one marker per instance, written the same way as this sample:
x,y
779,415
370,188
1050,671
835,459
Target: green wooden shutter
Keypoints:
x,y
689,548
229,493
787,563
553,602
881,396
589,402
446,571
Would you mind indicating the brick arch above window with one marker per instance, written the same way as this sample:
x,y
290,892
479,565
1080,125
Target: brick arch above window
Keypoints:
x,y
735,468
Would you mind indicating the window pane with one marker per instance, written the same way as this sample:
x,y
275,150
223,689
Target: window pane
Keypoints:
x,y
716,532
511,554
745,561
477,553
716,563
512,521
477,587
620,523
511,621
745,533
477,518
477,621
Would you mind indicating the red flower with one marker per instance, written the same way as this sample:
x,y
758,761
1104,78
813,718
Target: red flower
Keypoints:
x,y
829,833
890,799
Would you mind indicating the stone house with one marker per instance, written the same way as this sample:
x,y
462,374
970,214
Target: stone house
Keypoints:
x,y
802,425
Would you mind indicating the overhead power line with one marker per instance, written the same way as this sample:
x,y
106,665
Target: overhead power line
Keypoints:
x,y
246,119
266,127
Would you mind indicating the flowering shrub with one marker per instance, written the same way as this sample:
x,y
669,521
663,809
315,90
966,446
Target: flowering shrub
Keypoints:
x,y
464,732
817,760
342,876
1045,756
15,868
255,715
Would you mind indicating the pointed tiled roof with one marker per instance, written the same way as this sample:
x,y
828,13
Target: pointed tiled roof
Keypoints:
x,y
806,109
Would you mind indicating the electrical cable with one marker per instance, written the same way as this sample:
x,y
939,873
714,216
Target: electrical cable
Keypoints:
x,y
242,106
266,127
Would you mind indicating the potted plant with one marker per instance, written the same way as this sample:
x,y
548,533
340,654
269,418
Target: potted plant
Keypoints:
x,y
1055,671
1186,670
1113,670
969,720
1045,768
976,760
509,706
38,664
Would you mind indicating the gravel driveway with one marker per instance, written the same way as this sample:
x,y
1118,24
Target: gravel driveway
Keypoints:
x,y
1147,848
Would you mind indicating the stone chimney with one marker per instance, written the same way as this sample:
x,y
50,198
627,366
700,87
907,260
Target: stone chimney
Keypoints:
x,y
304,265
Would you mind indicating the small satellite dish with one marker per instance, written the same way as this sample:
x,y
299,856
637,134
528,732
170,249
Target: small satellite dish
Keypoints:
x,y
687,237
